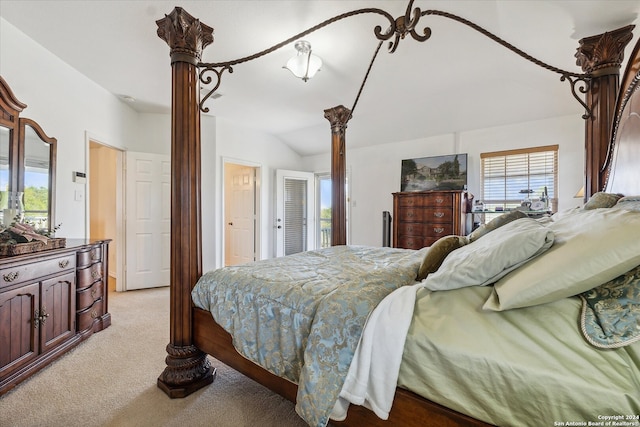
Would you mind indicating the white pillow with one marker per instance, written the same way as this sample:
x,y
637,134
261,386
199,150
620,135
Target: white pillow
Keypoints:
x,y
590,249
485,260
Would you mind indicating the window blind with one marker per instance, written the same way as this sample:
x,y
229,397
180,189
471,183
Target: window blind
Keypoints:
x,y
510,177
295,216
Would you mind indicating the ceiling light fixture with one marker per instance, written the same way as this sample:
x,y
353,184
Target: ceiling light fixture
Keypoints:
x,y
304,65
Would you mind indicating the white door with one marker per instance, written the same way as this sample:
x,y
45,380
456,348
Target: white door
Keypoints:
x,y
295,212
148,220
240,213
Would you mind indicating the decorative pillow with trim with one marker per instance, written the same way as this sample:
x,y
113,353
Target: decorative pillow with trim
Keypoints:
x,y
610,315
495,223
486,260
437,252
602,200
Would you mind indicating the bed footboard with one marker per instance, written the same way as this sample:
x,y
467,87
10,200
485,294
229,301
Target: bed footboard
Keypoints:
x,y
408,410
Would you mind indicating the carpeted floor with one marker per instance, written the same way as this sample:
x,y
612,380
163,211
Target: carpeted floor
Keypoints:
x,y
110,380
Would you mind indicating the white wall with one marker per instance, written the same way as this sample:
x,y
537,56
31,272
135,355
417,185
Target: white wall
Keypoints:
x,y
375,171
67,105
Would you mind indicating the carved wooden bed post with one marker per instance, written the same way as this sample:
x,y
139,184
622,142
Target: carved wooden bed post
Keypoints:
x,y
187,367
601,56
338,118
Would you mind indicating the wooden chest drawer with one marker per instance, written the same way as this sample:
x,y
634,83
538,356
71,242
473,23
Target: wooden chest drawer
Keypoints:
x,y
87,276
439,215
86,317
411,215
89,257
440,199
410,228
411,242
86,297
438,230
410,201
25,272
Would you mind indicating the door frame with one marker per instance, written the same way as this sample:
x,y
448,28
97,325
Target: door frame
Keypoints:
x,y
119,239
257,231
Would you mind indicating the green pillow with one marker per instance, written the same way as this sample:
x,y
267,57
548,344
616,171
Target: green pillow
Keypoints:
x,y
602,200
438,252
497,222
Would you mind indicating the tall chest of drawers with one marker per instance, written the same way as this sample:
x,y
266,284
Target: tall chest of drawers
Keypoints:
x,y
421,218
49,302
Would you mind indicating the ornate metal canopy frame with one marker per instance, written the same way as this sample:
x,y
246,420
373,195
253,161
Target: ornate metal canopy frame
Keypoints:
x,y
398,29
187,367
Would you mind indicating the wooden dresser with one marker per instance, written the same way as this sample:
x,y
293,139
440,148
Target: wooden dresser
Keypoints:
x,y
49,302
421,218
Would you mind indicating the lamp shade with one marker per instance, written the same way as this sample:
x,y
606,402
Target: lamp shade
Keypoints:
x,y
304,65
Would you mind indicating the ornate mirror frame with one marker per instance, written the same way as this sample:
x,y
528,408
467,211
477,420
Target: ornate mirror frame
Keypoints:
x,y
30,153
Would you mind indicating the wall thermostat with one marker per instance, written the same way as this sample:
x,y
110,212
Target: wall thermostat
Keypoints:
x,y
79,177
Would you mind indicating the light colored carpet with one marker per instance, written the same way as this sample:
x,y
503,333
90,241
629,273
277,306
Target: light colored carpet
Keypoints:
x,y
110,380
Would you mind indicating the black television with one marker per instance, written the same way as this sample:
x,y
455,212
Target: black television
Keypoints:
x,y
447,172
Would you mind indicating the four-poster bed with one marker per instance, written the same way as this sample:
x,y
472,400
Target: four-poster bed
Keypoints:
x,y
195,333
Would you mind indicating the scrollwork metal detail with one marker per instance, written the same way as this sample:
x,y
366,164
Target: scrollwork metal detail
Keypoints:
x,y
586,83
207,79
398,28
218,68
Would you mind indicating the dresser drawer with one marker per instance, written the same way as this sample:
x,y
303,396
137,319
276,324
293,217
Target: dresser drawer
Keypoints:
x,y
411,215
86,297
439,215
86,317
411,201
20,273
87,276
438,230
86,258
411,242
440,199
410,229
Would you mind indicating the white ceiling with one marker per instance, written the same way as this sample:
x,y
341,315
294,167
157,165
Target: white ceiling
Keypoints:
x,y
457,80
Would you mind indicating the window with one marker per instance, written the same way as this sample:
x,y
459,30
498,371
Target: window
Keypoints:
x,y
512,177
323,239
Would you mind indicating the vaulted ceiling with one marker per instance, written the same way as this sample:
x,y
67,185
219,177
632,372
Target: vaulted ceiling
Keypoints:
x,y
457,80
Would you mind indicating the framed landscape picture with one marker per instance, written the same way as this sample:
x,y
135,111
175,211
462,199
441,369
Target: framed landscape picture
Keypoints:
x,y
434,173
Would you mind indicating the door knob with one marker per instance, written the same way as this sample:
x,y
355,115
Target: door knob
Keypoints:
x,y
230,223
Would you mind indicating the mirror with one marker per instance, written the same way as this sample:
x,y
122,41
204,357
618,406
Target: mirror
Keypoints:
x,y
5,141
36,194
27,166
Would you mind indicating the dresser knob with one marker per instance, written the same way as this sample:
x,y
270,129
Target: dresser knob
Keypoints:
x,y
95,274
438,214
94,314
10,277
438,229
439,200
63,263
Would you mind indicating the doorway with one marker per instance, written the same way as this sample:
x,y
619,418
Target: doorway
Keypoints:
x,y
241,213
105,195
295,212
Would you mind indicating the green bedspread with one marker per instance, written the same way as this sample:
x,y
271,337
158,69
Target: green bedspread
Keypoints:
x,y
301,316
523,367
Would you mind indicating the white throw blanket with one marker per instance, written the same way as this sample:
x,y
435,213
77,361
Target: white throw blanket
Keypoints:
x,y
373,374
